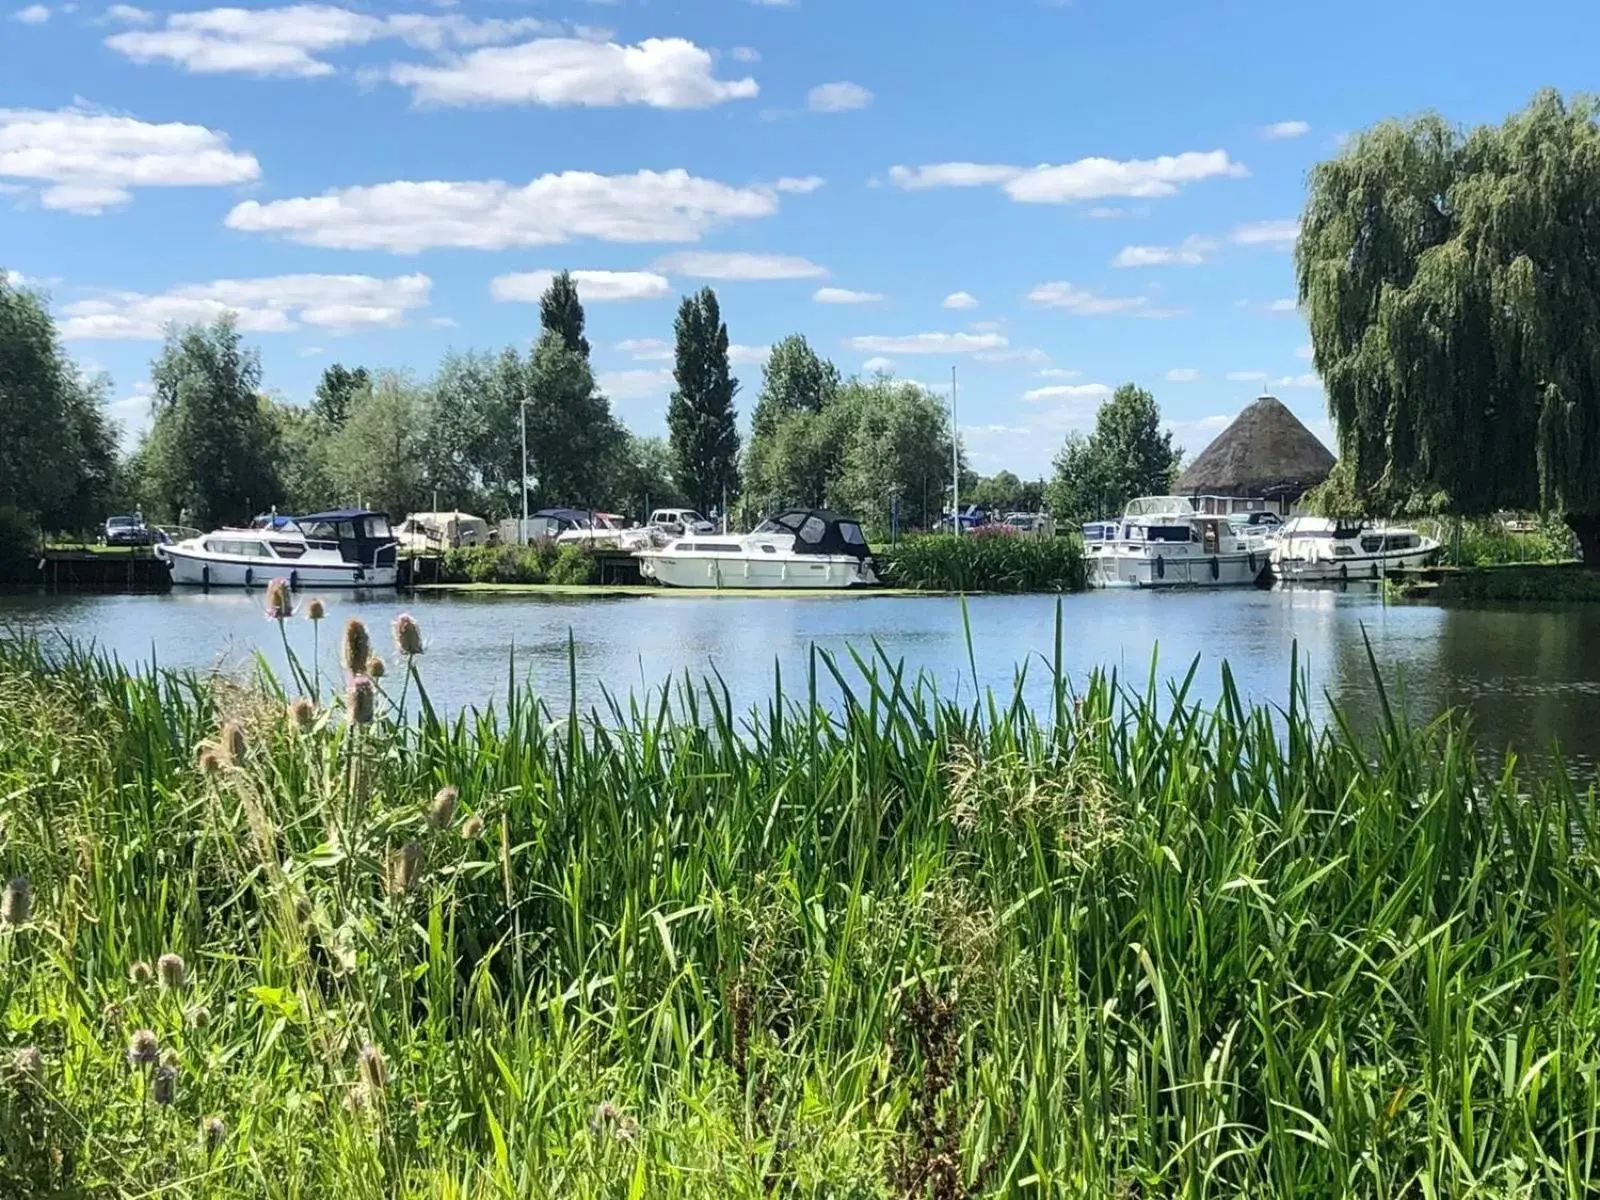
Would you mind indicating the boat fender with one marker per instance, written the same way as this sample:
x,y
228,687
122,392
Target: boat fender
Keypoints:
x,y
1374,570
205,575
249,576
1344,572
1161,567
1216,571
1252,559
294,581
359,575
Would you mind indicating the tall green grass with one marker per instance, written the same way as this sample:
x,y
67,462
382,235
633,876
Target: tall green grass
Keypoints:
x,y
985,561
537,562
1123,946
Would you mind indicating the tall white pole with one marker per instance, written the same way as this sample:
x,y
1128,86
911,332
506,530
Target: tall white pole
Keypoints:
x,y
955,455
522,530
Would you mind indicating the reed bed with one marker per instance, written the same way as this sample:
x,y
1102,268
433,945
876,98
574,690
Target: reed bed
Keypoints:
x,y
1125,945
986,561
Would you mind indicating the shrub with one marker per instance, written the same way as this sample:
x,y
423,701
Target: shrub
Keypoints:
x,y
985,561
18,540
1488,542
539,562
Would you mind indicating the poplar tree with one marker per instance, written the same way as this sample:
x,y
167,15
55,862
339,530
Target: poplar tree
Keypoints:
x,y
700,416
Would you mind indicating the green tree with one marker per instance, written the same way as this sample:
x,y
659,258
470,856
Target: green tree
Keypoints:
x,y
573,440
896,450
1127,455
209,453
787,460
700,416
1452,284
642,477
561,313
998,493
300,439
376,457
337,392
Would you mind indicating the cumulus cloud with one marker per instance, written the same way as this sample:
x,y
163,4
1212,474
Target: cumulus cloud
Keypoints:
x,y
646,349
1308,380
1284,305
878,365
1085,179
127,14
407,217
556,72
1182,375
34,14
1058,373
748,356
1276,235
1285,129
959,300
1081,302
1067,391
275,304
594,287
1191,252
842,96
92,161
739,265
635,385
1303,351
835,295
799,185
927,343
1029,355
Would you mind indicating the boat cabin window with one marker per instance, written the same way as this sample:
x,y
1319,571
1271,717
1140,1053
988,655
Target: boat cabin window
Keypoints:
x,y
768,548
241,549
378,527
851,532
287,549
1371,544
718,548
1400,541
1343,552
1167,533
813,529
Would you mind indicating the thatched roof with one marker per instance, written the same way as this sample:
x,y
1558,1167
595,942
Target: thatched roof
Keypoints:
x,y
1265,452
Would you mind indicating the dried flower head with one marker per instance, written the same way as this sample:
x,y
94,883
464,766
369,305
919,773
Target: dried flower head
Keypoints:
x,y
165,1087
199,1016
234,747
359,700
374,1069
407,635
209,761
357,647
315,609
403,865
443,808
16,903
302,713
280,604
139,974
375,667
169,1058
143,1049
213,1132
472,828
170,970
27,1065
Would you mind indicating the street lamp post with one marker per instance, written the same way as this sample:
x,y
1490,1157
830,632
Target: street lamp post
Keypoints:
x,y
522,530
955,456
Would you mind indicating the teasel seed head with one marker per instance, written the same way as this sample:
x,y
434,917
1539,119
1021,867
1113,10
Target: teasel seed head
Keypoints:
x,y
374,1069
315,609
375,667
169,1058
139,974
143,1049
280,604
472,828
357,647
234,747
16,903
199,1017
213,1132
407,635
360,700
170,970
164,1089
27,1065
302,713
443,809
403,865
209,761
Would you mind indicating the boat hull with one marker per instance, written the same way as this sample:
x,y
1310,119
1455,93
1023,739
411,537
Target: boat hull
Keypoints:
x,y
204,571
1291,569
1113,566
732,571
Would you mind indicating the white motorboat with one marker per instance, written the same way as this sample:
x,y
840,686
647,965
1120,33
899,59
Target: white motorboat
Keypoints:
x,y
1322,550
1163,542
798,548
608,530
350,548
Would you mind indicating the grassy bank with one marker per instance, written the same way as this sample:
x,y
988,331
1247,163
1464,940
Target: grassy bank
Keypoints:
x,y
538,562
985,562
909,949
1487,542
1511,583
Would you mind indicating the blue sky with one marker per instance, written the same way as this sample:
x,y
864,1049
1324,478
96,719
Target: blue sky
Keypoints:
x,y
1055,198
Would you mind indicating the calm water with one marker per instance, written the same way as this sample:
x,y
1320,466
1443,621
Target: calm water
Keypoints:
x,y
1529,676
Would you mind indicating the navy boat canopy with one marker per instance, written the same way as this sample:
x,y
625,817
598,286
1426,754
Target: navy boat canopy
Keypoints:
x,y
343,514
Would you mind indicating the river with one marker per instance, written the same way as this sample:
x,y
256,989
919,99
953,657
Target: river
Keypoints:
x,y
1529,676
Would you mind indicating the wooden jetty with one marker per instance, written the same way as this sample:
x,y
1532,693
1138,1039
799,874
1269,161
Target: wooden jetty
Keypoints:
x,y
103,571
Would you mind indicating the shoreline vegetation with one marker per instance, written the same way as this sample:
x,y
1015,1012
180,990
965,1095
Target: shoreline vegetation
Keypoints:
x,y
301,936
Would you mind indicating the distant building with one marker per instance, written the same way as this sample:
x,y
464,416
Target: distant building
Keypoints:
x,y
1267,456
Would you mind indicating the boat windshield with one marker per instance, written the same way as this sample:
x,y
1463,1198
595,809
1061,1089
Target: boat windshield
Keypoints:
x,y
1162,506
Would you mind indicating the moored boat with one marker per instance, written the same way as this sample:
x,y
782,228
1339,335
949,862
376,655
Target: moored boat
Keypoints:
x,y
798,548
1164,542
1324,550
347,548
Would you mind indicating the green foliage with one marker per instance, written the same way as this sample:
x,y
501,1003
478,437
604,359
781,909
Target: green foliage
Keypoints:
x,y
789,459
1081,942
985,562
700,416
209,454
19,542
1453,290
643,477
894,444
1003,492
337,393
377,455
1126,456
537,562
573,441
561,313
1487,542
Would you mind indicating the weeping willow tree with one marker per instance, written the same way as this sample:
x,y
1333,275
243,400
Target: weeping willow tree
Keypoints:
x,y
1452,282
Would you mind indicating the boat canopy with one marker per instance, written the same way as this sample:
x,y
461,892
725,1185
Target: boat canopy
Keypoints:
x,y
818,531
342,514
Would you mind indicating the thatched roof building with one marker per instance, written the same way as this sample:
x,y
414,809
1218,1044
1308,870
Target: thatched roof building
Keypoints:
x,y
1266,453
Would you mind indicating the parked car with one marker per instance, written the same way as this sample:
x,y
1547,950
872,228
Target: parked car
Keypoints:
x,y
679,521
127,531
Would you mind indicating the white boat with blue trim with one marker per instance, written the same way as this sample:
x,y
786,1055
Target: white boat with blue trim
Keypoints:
x,y
798,548
346,548
1325,550
1166,542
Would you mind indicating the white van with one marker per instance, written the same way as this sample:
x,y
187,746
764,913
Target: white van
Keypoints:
x,y
678,521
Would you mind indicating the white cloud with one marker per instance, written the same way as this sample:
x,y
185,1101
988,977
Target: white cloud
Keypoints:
x,y
1277,235
877,364
646,349
1285,305
292,40
1016,354
745,54
132,414
927,343
1285,129
658,73
1067,391
1303,351
738,265
1247,376
635,385
275,304
127,14
745,356
836,295
1083,303
1058,373
842,96
407,217
1308,380
1182,375
34,14
594,287
799,185
1194,436
1085,179
1190,252
14,279
94,160
960,300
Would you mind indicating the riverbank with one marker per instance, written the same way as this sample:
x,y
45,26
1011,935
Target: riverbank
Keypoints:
x,y
900,948
1564,582
600,591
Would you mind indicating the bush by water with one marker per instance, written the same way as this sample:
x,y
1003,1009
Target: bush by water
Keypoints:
x,y
985,561
538,562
